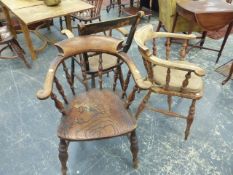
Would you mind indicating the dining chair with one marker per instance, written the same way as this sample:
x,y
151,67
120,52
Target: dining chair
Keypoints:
x,y
134,7
178,78
87,16
109,28
7,41
90,113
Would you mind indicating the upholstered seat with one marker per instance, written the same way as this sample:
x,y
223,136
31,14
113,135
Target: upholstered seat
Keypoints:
x,y
101,117
177,76
5,33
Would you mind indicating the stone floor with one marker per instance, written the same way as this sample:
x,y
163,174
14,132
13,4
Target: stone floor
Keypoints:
x,y
28,126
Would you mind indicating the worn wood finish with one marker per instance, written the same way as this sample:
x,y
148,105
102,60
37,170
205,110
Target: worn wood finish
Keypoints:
x,y
29,12
95,113
171,69
7,40
210,15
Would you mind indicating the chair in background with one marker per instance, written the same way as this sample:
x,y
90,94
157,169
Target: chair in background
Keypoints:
x,y
171,78
88,15
133,9
7,40
110,62
91,114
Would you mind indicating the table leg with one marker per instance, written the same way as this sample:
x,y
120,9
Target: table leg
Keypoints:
x,y
28,40
9,22
229,76
68,22
224,41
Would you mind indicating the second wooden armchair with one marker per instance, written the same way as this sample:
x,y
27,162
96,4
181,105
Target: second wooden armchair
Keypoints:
x,y
171,78
110,62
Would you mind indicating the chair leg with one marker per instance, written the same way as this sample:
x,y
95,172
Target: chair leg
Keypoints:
x,y
134,148
159,26
19,52
63,155
60,21
190,118
93,80
169,101
142,104
203,38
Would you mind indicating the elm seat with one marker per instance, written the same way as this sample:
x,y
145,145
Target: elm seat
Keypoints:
x,y
96,118
177,76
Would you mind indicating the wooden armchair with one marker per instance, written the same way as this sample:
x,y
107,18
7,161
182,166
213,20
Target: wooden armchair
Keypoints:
x,y
91,114
110,62
7,40
172,78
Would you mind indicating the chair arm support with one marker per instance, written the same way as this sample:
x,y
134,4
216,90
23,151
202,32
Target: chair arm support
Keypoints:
x,y
140,82
68,33
180,66
45,93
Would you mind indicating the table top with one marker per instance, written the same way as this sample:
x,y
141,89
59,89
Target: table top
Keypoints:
x,y
17,4
31,11
209,14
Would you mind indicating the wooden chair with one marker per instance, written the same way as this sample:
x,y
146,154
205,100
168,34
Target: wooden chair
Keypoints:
x,y
88,15
171,78
91,114
110,62
133,9
8,41
91,14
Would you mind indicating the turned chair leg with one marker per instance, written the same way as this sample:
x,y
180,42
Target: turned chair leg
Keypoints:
x,y
134,148
190,119
19,52
143,104
63,155
159,26
169,102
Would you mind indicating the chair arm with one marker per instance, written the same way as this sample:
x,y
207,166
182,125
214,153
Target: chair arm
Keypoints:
x,y
68,33
123,31
45,93
140,82
180,66
173,35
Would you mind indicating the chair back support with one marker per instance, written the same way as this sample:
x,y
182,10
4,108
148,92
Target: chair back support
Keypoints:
x,y
94,28
78,46
97,7
150,58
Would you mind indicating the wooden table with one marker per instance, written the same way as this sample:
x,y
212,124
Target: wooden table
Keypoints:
x,y
210,15
32,11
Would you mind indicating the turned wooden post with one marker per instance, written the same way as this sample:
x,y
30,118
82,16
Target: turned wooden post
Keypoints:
x,y
63,155
134,148
190,118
